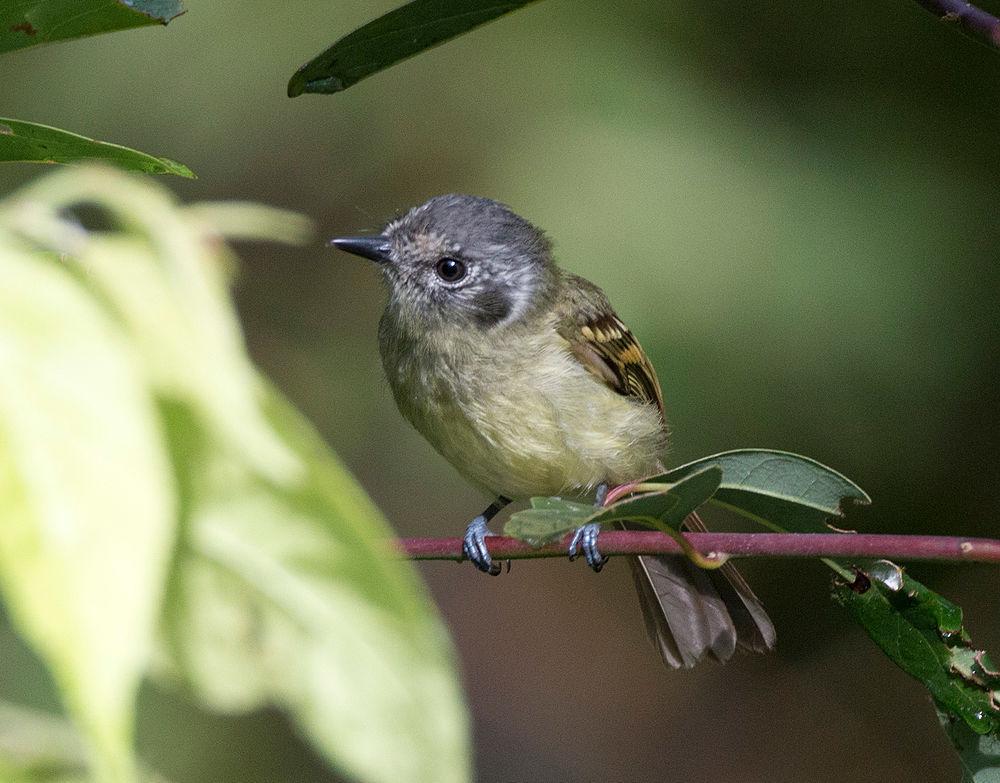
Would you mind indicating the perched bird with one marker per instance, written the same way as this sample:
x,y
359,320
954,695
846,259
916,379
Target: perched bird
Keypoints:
x,y
523,377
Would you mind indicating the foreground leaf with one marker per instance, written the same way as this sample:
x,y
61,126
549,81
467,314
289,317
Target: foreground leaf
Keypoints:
x,y
30,142
39,747
86,500
385,41
922,633
282,591
285,594
26,23
783,491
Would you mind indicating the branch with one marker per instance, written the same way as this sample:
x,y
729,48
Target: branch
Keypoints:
x,y
634,542
972,21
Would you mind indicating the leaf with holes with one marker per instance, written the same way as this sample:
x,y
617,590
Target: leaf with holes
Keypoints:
x,y
783,491
922,633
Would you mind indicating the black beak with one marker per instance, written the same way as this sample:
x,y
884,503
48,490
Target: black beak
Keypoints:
x,y
376,248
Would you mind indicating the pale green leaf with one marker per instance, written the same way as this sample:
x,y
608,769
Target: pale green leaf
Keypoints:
x,y
286,593
39,747
167,281
86,501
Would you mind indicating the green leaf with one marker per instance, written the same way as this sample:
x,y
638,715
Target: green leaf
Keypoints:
x,y
783,491
168,287
30,142
31,22
549,519
285,593
979,754
86,500
385,41
667,510
39,747
282,589
922,633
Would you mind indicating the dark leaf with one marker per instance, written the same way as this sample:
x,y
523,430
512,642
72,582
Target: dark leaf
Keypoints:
x,y
26,23
391,38
34,143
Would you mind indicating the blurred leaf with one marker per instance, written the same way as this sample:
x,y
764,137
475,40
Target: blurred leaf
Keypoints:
x,y
39,747
285,593
30,142
979,753
86,500
393,37
166,280
282,589
31,22
783,491
549,519
922,633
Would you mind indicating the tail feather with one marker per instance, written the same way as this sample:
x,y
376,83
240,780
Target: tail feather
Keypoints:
x,y
692,613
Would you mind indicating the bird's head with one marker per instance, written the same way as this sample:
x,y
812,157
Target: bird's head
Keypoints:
x,y
460,261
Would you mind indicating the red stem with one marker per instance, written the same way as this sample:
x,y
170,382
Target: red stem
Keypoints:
x,y
635,542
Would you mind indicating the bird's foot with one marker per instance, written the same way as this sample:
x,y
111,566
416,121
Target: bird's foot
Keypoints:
x,y
474,546
585,538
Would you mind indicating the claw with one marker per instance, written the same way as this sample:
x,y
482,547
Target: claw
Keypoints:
x,y
474,546
585,538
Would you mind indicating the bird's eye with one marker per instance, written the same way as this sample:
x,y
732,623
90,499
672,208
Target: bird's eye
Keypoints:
x,y
451,270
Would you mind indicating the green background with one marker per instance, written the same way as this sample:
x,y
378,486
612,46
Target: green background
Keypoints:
x,y
793,204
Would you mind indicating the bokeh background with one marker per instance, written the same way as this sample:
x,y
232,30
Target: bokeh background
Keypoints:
x,y
793,204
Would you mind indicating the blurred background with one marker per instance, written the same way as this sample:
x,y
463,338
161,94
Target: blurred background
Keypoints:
x,y
794,207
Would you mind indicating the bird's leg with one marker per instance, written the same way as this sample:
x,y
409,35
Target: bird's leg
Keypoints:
x,y
474,543
585,536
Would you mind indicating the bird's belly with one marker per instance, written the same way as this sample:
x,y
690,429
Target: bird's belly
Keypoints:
x,y
561,432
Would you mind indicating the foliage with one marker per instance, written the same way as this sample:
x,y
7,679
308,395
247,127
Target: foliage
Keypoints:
x,y
31,142
385,41
143,455
923,634
918,629
25,23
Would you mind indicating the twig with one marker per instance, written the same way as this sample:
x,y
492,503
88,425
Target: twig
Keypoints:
x,y
972,21
634,542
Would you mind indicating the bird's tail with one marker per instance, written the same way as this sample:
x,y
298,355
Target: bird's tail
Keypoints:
x,y
692,613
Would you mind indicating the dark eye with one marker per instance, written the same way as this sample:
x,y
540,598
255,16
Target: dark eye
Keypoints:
x,y
451,270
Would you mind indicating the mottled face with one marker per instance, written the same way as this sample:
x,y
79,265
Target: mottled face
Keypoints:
x,y
460,261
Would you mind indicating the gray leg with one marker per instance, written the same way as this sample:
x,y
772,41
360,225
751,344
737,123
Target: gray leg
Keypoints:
x,y
474,543
585,537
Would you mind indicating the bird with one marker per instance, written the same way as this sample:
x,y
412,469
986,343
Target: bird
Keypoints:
x,y
524,378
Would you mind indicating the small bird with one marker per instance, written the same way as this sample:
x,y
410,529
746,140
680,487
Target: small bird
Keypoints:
x,y
523,377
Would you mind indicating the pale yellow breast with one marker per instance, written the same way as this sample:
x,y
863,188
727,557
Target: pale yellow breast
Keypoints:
x,y
522,417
